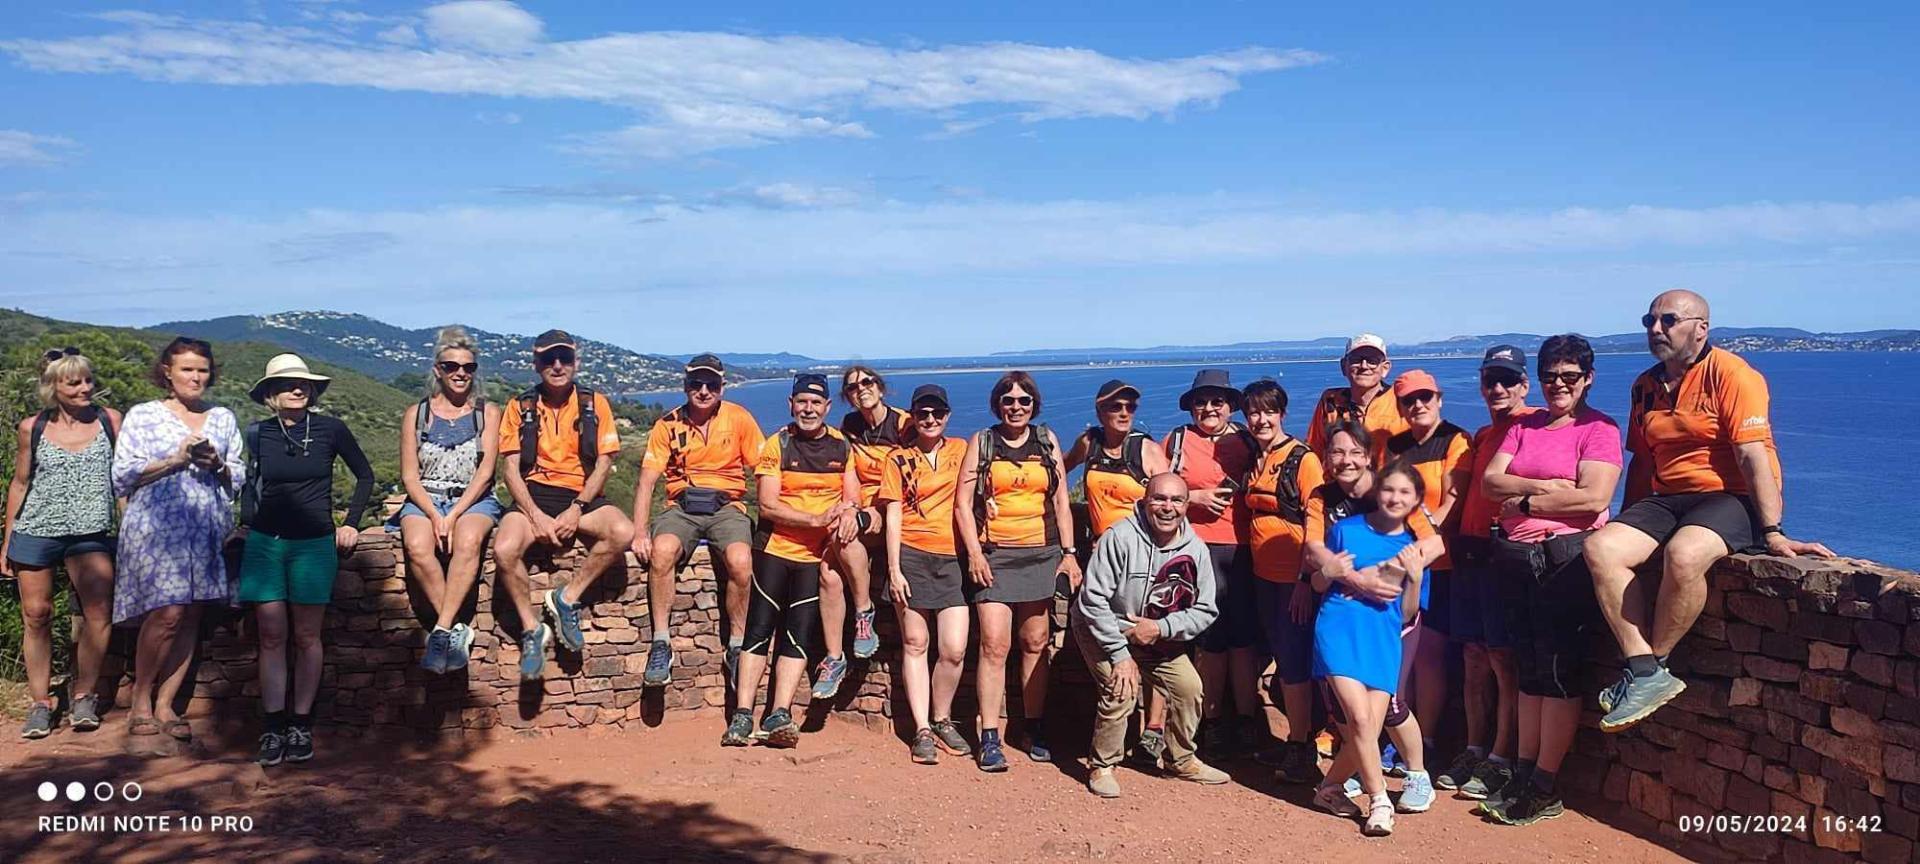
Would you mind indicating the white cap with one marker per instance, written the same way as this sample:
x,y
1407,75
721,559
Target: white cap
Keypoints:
x,y
1365,340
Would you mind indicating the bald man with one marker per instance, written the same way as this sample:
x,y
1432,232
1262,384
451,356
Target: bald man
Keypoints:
x,y
1148,592
1704,482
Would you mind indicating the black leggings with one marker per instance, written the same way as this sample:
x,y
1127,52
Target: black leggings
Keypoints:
x,y
786,594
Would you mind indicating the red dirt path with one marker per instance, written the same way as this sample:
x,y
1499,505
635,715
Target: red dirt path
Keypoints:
x,y
670,793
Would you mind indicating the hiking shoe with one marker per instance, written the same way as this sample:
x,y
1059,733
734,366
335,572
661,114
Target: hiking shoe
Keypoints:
x,y
460,649
84,714
949,737
781,730
273,748
924,750
1215,739
1533,804
1379,818
1153,744
1390,762
827,678
1335,800
1611,694
1458,772
299,744
1196,771
992,760
659,664
39,722
566,620
1298,765
739,730
865,642
533,653
1640,698
439,646
1249,734
1416,795
1101,782
1486,782
1037,748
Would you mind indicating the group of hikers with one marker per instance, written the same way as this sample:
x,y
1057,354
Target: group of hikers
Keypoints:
x,y
1347,559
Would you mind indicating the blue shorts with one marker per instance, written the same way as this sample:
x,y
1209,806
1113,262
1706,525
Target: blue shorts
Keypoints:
x,y
1290,643
488,506
42,552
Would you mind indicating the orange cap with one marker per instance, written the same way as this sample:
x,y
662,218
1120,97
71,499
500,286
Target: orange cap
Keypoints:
x,y
1413,382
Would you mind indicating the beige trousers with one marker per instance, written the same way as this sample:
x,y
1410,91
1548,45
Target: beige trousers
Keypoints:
x,y
1177,680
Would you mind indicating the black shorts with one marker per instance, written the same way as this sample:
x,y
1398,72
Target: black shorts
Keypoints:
x,y
1437,613
1724,513
554,500
1551,611
1239,623
1478,614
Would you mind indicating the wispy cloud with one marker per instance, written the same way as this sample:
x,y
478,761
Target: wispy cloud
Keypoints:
x,y
692,92
26,148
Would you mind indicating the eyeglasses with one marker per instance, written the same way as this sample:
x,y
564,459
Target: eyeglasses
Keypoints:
x,y
1667,319
57,353
1010,400
1120,406
863,383
695,385
1412,399
931,413
449,367
562,356
1365,360
1502,379
1564,379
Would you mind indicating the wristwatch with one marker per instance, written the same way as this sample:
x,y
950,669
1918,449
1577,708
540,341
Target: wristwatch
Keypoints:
x,y
1526,505
581,504
1068,550
1771,529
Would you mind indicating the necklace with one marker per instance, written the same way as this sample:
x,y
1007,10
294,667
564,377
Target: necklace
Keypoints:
x,y
306,436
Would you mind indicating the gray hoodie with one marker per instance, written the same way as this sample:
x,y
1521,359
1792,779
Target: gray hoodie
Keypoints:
x,y
1128,575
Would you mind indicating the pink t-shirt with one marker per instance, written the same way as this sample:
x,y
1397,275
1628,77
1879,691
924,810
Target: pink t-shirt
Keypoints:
x,y
1540,453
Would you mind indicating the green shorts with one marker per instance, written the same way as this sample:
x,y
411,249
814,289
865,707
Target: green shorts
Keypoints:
x,y
299,571
720,530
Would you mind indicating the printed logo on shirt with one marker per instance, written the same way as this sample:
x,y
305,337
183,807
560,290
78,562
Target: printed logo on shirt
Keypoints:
x,y
1173,588
1753,423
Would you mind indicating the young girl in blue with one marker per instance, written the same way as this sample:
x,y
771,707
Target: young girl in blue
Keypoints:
x,y
1357,640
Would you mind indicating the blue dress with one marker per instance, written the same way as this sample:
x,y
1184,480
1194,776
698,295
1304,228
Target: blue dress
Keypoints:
x,y
1355,637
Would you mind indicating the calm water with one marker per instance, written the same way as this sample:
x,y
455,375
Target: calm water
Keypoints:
x,y
1843,423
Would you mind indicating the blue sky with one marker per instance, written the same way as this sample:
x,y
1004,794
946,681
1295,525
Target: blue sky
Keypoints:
x,y
885,180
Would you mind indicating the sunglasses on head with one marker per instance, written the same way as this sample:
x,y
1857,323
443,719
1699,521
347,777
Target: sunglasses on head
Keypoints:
x,y
563,356
449,367
1010,400
1417,398
1120,406
695,385
1564,379
1667,319
1501,379
57,353
931,413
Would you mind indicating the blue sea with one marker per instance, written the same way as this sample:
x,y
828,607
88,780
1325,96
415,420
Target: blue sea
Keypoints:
x,y
1844,423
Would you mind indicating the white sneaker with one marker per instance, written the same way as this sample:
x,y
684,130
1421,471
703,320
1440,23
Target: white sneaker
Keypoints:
x,y
1379,818
1333,800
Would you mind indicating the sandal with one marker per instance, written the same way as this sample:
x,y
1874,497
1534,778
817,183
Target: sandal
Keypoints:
x,y
180,729
142,726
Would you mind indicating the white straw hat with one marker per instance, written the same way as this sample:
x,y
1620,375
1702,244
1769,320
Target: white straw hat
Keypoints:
x,y
287,366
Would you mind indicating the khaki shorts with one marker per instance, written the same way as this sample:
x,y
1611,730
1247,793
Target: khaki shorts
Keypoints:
x,y
720,530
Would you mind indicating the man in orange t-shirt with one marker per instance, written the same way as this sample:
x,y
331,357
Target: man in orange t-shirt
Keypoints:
x,y
1704,482
556,493
1365,397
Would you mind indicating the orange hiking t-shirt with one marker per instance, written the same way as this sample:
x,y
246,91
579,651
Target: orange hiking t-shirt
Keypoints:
x,y
812,474
1112,488
1437,459
1478,513
872,445
717,457
925,487
1279,543
1207,462
1691,431
1021,489
1381,417
558,462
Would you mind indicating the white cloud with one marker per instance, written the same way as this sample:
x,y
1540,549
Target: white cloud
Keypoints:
x,y
692,91
26,148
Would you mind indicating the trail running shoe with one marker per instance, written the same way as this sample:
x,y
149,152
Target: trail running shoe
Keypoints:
x,y
1416,795
659,664
273,748
1487,781
925,751
950,738
781,730
865,641
461,651
1379,818
1640,698
1390,762
739,730
566,620
439,646
1458,772
1215,739
84,714
39,722
1505,794
533,653
1335,800
992,760
1153,744
1533,804
1037,748
1298,765
1352,787
299,744
827,678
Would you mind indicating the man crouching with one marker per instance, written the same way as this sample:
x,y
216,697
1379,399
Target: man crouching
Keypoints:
x,y
1148,590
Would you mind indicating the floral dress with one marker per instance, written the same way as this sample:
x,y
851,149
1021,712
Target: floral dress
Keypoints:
x,y
174,530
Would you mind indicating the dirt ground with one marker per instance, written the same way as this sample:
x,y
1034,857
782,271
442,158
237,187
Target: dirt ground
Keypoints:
x,y
670,793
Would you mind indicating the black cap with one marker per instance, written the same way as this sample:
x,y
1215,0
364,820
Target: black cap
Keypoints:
x,y
1114,388
706,363
553,339
1505,357
930,393
810,382
1211,379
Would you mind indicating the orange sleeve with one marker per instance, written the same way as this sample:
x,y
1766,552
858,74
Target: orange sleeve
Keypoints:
x,y
1743,407
510,428
655,458
1317,426
751,439
1460,456
767,463
891,483
609,430
1311,476
1419,524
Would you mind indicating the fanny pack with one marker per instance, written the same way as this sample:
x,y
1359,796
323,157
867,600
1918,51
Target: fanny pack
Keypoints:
x,y
1545,557
695,501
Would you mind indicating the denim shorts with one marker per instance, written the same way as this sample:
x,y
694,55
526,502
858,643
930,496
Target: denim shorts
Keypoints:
x,y
42,552
487,506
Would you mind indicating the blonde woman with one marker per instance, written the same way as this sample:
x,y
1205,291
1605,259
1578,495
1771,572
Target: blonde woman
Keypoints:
x,y
448,445
60,510
293,547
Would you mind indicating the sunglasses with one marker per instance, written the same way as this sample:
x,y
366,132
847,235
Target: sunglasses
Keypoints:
x,y
1009,401
1501,379
1564,379
1365,360
1417,398
57,353
1667,319
562,356
695,385
449,367
931,413
862,383
1211,402
288,385
1120,406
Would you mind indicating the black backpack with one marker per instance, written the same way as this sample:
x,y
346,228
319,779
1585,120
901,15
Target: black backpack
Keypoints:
x,y
39,431
1132,458
423,417
1048,459
1286,487
588,426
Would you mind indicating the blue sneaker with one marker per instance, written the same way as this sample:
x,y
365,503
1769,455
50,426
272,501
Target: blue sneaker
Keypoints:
x,y
739,730
1352,787
462,647
1416,795
1390,762
533,652
992,760
781,730
1641,697
1037,748
566,620
439,645
1611,695
659,664
833,670
865,642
